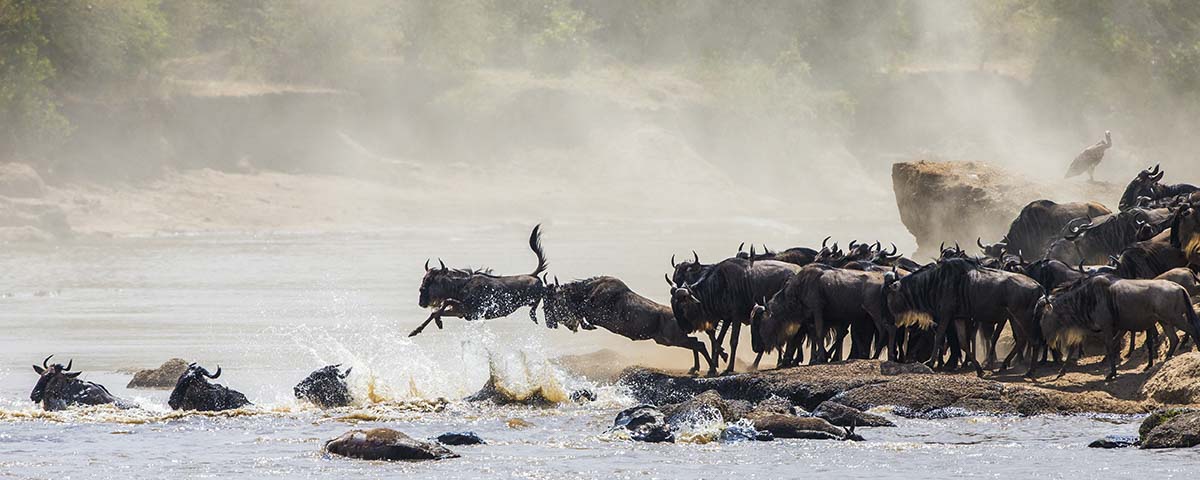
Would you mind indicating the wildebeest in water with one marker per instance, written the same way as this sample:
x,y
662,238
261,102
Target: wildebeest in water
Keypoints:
x,y
326,387
478,294
194,392
608,303
59,388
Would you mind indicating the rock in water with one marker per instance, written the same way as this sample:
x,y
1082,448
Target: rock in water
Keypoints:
x,y
385,444
1158,417
1179,431
517,423
895,368
164,376
645,424
843,416
460,438
787,426
1115,441
705,406
1177,381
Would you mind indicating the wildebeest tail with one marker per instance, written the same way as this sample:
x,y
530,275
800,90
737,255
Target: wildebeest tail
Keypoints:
x,y
1192,318
535,244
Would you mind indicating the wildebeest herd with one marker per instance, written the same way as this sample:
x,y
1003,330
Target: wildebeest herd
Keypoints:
x,y
1064,273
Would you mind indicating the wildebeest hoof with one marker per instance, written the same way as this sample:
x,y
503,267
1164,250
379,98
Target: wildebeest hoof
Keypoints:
x,y
385,444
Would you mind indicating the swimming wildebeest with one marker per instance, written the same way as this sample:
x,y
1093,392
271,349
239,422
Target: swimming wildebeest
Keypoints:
x,y
961,292
818,299
59,388
1111,306
608,303
478,294
194,392
703,295
1146,191
326,387
1042,221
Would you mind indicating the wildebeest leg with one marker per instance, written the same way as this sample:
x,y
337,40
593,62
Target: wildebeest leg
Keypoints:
x,y
966,337
733,344
839,343
1172,339
1112,352
818,354
533,309
718,349
992,334
1151,347
939,337
714,359
757,358
447,309
1132,343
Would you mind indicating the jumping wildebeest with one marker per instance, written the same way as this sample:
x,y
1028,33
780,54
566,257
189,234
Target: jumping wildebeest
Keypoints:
x,y
726,292
608,303
326,387
1146,186
819,297
193,392
59,388
1042,221
478,294
1109,305
959,291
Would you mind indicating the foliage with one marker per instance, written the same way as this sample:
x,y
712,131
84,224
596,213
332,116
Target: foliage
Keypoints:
x,y
29,117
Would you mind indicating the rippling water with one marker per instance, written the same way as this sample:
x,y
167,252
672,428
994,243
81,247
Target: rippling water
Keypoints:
x,y
269,309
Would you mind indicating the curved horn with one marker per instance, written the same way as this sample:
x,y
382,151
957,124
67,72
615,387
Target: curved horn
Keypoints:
x,y
69,363
942,248
347,372
826,240
426,264
443,264
766,251
669,282
45,361
979,241
894,249
1081,270
741,246
1156,169
852,244
672,261
752,252
957,248
696,257
556,281
877,246
214,375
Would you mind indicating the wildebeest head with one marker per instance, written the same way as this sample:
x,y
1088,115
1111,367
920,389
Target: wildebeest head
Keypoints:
x,y
1143,185
558,306
994,250
442,283
1185,232
947,253
686,308
770,329
53,380
326,387
194,392
687,272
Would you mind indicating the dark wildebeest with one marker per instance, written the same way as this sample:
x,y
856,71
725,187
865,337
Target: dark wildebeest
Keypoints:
x,y
478,294
796,255
326,387
1042,221
194,392
1185,232
724,292
1109,305
59,388
1051,274
1146,191
961,292
1185,277
1093,242
819,297
1148,260
608,303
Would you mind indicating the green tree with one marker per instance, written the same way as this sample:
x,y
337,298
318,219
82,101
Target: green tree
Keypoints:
x,y
30,124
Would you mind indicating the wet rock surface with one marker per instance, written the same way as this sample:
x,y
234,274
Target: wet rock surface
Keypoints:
x,y
1115,441
862,386
164,376
896,368
385,444
460,438
1178,431
844,416
645,423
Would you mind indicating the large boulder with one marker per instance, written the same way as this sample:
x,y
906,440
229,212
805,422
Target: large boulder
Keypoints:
x,y
1158,417
164,376
385,444
1176,382
18,180
706,406
935,197
1179,431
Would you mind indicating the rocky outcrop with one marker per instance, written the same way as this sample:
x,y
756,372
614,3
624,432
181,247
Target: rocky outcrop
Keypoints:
x,y
385,444
707,405
860,385
1176,431
164,376
1176,382
18,180
962,201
